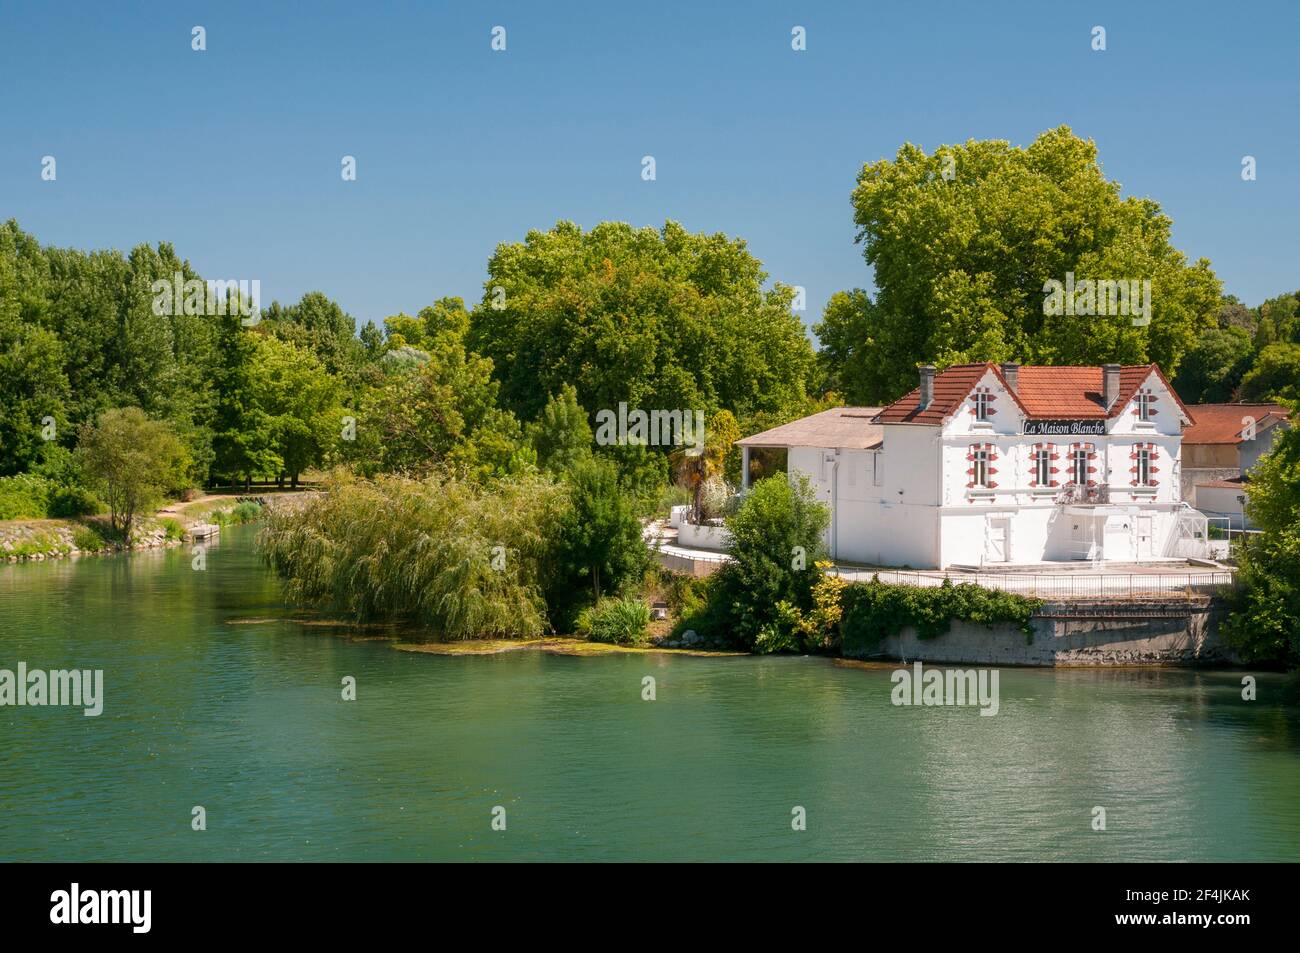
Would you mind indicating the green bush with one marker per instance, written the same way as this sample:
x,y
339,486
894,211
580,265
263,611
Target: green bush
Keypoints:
x,y
465,559
618,621
1263,620
88,539
172,528
874,610
246,512
24,496
776,538
71,501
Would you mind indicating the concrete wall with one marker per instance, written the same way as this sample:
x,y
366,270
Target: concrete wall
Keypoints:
x,y
703,537
1221,501
1077,634
1192,476
1210,456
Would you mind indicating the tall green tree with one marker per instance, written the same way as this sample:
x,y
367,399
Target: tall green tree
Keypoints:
x,y
1212,370
654,318
435,409
1275,374
964,240
599,544
244,436
561,435
302,400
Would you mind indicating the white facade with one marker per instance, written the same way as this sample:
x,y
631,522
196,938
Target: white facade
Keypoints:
x,y
966,492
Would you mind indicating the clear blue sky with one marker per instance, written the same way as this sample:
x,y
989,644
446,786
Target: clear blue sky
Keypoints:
x,y
233,155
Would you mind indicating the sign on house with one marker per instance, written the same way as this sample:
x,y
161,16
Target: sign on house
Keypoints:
x,y
1065,428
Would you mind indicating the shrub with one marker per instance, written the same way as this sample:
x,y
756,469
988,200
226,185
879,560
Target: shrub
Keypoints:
x,y
88,539
619,621
875,610
24,496
776,538
172,528
1263,622
465,559
716,500
598,547
246,512
71,501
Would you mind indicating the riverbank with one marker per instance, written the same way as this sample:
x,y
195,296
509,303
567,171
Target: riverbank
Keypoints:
x,y
36,540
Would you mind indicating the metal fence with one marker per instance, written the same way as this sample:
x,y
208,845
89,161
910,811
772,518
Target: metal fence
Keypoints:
x,y
1050,586
1065,586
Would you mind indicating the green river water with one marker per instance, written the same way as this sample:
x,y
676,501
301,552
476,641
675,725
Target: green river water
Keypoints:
x,y
247,721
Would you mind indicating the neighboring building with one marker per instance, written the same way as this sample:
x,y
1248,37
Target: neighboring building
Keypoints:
x,y
1219,451
986,464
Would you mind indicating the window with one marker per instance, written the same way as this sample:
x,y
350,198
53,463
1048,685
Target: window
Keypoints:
x,y
1144,467
980,468
1042,467
1146,403
982,403
1079,466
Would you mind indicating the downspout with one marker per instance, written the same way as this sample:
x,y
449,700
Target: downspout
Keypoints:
x,y
835,500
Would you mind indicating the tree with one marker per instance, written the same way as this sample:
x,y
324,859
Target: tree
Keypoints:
x,y
79,333
776,540
300,398
964,240
660,319
243,441
1212,370
320,326
561,435
845,335
599,539
696,466
1263,623
132,460
437,408
1275,376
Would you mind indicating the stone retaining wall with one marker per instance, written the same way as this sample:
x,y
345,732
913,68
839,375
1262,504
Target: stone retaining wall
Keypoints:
x,y
1074,633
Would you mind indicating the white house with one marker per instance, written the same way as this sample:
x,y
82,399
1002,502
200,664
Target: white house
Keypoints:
x,y
1002,464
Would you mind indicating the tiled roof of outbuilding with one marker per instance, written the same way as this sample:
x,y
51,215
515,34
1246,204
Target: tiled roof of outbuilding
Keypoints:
x,y
1222,423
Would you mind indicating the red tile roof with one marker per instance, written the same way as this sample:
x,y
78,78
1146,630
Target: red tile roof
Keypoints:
x,y
1042,392
1222,423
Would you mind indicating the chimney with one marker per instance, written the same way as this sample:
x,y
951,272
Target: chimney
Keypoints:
x,y
1109,385
1012,373
927,386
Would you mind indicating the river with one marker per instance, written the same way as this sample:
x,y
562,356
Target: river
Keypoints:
x,y
247,721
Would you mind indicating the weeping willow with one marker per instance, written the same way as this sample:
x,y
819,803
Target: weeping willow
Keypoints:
x,y
462,559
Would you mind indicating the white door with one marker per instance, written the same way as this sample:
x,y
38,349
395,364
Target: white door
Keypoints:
x,y
1144,550
999,543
